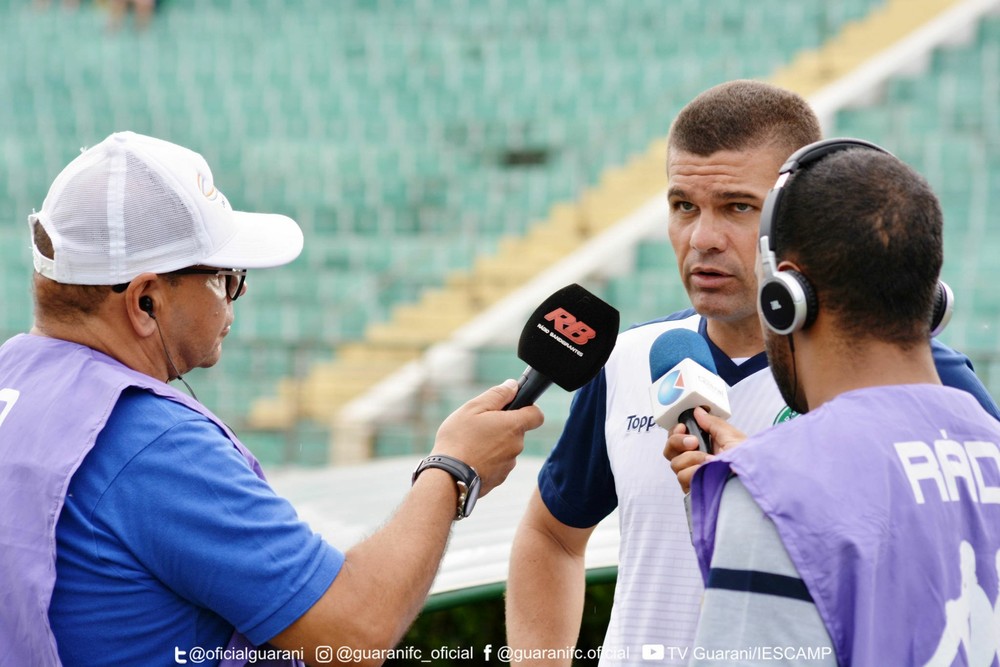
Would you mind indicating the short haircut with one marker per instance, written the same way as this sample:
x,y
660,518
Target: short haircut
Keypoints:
x,y
65,303
744,114
866,229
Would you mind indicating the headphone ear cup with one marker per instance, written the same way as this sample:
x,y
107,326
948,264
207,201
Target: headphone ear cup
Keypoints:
x,y
944,303
787,302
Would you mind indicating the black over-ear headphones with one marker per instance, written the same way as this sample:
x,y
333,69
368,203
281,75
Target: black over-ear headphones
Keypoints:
x,y
146,304
786,298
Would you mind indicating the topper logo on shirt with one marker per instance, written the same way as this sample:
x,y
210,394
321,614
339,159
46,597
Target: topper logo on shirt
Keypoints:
x,y
639,424
566,323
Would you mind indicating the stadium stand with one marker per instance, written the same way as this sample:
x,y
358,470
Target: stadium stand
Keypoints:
x,y
947,136
518,258
945,123
437,152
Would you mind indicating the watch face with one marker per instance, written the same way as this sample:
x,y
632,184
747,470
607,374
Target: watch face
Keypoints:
x,y
471,497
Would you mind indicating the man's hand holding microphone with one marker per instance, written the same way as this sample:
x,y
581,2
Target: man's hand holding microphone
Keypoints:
x,y
682,448
685,388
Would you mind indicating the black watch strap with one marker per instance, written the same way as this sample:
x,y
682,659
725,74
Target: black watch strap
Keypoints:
x,y
466,478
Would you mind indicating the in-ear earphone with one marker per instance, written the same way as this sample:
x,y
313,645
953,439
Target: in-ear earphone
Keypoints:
x,y
146,305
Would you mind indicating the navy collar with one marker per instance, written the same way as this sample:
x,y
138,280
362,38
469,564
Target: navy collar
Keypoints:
x,y
725,367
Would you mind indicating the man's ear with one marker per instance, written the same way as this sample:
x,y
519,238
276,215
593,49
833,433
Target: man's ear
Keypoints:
x,y
788,265
140,303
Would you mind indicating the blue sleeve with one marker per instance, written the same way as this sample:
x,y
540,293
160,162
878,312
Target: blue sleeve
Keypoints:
x,y
955,370
576,482
201,522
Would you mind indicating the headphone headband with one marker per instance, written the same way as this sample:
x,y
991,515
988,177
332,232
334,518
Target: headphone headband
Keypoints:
x,y
798,160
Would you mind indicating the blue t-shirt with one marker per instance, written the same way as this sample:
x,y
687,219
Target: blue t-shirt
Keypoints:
x,y
169,539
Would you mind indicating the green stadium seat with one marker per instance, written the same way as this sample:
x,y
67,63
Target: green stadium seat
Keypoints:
x,y
402,440
383,126
654,255
497,363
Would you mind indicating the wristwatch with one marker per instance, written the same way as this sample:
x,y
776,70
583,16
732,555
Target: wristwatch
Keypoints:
x,y
466,479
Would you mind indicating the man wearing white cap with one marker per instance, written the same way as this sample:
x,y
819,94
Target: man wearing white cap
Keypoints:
x,y
136,528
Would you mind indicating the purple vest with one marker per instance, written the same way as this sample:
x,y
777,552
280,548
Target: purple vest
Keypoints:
x,y
55,398
888,502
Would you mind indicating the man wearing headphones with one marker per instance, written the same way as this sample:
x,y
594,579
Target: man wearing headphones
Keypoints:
x,y
724,151
136,529
863,531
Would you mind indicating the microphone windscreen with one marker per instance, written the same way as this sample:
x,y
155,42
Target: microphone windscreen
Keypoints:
x,y
672,347
569,337
683,378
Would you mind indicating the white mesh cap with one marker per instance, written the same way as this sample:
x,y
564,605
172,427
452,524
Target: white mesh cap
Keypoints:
x,y
133,204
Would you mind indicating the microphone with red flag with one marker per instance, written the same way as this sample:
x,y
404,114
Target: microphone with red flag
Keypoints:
x,y
566,341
